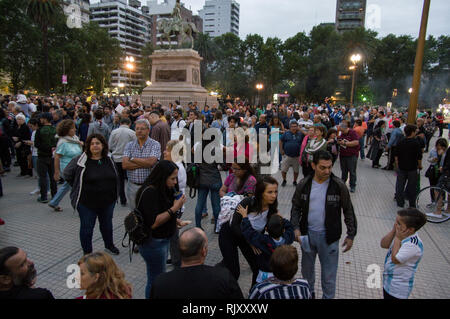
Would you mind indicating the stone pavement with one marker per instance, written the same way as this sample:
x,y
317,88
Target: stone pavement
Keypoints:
x,y
52,242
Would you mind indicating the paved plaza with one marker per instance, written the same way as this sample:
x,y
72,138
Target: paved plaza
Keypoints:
x,y
52,242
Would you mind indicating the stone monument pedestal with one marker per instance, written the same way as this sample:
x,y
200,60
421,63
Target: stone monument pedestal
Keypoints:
x,y
176,76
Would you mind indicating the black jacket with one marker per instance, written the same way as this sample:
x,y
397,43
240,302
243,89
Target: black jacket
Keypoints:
x,y
338,201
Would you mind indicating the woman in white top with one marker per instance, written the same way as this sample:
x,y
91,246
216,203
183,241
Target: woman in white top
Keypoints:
x,y
174,152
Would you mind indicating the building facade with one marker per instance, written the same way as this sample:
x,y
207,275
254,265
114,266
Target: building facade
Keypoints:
x,y
350,14
131,25
220,17
163,10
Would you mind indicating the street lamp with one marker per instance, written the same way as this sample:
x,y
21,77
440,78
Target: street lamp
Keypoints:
x,y
259,87
129,65
355,58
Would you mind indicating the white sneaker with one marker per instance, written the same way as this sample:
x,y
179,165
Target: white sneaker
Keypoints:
x,y
435,215
37,190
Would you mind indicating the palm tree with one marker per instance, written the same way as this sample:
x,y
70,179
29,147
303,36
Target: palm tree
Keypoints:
x,y
206,49
43,13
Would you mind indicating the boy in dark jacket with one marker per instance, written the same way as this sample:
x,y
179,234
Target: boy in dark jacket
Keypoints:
x,y
280,232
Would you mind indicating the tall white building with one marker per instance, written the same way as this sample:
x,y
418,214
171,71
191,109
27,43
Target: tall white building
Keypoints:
x,y
220,17
131,25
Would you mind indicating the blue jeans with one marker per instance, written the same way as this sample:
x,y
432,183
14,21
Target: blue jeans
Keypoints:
x,y
361,144
88,217
201,201
328,257
62,191
154,252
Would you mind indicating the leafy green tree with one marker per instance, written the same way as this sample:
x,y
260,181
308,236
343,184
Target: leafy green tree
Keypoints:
x,y
205,47
295,52
391,67
229,65
18,54
325,62
146,63
43,13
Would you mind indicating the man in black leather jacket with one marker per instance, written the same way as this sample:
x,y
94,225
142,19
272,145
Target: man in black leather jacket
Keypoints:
x,y
317,205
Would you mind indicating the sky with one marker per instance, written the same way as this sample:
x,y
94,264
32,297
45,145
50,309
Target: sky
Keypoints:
x,y
285,18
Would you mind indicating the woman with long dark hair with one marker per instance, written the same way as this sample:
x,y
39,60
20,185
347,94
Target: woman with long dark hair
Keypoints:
x,y
260,208
156,201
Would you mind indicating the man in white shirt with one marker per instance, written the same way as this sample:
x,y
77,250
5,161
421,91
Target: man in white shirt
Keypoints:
x,y
177,125
117,141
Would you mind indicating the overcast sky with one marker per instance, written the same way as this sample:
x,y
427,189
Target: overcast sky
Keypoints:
x,y
284,18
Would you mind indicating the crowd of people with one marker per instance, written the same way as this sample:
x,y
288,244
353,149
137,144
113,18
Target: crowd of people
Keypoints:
x,y
103,151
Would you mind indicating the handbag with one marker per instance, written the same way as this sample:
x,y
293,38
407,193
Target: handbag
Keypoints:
x,y
135,228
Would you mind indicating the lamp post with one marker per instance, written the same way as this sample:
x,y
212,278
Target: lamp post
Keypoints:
x,y
259,87
414,97
355,58
129,65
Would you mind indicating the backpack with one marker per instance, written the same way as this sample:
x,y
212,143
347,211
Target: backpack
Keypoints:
x,y
193,178
135,228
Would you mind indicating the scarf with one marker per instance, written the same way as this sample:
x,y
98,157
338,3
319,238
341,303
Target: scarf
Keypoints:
x,y
68,139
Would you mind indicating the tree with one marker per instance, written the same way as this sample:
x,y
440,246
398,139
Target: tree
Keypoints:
x,y
325,62
228,69
295,52
43,13
204,45
271,60
146,63
392,68
252,48
18,53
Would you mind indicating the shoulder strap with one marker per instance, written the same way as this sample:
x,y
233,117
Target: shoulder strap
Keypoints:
x,y
140,197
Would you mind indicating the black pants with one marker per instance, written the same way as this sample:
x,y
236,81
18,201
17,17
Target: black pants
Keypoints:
x,y
388,296
229,244
391,157
404,177
5,155
307,169
174,249
122,177
22,159
45,165
428,138
441,129
376,161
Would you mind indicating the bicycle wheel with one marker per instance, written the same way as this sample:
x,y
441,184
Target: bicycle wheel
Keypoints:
x,y
429,205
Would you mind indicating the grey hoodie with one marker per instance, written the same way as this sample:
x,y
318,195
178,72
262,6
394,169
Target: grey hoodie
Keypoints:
x,y
99,127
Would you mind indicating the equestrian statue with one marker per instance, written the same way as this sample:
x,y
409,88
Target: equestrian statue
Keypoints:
x,y
176,26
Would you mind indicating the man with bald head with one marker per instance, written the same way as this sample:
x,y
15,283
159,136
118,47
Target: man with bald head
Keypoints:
x,y
194,280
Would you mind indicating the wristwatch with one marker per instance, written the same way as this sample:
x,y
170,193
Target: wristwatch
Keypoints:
x,y
131,159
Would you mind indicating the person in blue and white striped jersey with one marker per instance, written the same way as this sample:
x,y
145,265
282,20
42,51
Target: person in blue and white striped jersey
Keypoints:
x,y
404,255
283,285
